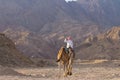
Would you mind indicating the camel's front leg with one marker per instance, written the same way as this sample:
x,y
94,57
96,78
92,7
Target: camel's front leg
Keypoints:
x,y
70,66
65,71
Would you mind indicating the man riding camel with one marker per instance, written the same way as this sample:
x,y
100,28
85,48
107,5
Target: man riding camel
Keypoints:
x,y
66,56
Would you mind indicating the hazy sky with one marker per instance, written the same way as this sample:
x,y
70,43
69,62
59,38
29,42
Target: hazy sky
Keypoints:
x,y
70,0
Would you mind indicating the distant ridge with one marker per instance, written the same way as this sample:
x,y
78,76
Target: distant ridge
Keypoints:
x,y
103,46
111,34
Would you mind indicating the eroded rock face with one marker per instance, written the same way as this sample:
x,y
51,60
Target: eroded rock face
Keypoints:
x,y
9,55
113,33
30,43
103,46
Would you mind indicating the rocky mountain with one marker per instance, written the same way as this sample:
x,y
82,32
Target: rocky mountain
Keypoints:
x,y
102,12
57,15
102,46
9,55
111,34
46,16
29,43
38,27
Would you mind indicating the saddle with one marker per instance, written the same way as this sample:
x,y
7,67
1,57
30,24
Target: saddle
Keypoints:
x,y
67,50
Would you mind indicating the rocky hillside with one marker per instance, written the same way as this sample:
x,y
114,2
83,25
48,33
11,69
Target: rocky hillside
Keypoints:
x,y
57,16
49,21
31,44
47,17
111,34
102,12
38,27
102,46
9,55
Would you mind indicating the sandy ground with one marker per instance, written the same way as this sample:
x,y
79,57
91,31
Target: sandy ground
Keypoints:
x,y
82,70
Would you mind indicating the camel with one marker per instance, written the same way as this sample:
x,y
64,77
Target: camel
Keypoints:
x,y
66,59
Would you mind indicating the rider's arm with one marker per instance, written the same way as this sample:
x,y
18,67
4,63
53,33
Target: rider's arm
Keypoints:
x,y
65,40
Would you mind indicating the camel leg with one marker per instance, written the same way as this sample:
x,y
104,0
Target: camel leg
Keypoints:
x,y
59,67
70,65
69,70
65,71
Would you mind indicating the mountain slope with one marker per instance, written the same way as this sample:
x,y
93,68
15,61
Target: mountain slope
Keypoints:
x,y
31,44
41,25
103,12
9,55
47,16
102,46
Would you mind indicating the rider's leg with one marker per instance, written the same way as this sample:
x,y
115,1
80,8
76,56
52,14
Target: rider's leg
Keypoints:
x,y
67,50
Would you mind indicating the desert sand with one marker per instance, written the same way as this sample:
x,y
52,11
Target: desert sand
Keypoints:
x,y
82,70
